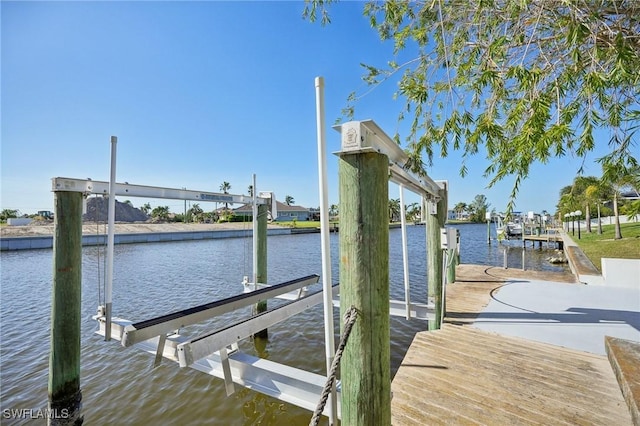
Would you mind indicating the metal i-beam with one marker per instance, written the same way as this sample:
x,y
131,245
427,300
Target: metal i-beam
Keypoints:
x,y
88,186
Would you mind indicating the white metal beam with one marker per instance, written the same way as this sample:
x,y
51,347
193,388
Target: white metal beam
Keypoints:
x,y
292,385
88,186
367,136
204,345
177,320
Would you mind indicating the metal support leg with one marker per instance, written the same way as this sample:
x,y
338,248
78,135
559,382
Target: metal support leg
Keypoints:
x,y
226,368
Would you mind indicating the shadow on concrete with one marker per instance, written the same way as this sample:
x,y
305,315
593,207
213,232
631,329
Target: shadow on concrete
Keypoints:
x,y
572,316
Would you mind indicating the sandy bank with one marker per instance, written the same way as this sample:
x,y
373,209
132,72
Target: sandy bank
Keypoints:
x,y
126,228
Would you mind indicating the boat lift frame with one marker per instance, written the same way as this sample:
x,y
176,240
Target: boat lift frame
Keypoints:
x,y
367,136
216,353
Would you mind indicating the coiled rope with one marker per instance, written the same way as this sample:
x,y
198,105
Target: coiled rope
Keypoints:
x,y
349,320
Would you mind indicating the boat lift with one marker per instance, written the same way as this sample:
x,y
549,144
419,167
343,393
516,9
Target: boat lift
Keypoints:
x,y
216,353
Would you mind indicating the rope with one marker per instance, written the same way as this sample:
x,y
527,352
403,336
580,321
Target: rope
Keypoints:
x,y
349,320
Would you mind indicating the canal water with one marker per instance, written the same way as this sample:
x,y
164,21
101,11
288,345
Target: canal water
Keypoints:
x,y
118,384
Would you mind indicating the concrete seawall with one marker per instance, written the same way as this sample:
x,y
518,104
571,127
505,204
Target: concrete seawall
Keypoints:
x,y
46,241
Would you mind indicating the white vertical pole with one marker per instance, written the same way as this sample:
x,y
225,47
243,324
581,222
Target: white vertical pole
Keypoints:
x,y
405,255
326,247
111,220
255,234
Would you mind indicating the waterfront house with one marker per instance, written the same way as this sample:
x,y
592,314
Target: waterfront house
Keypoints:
x,y
286,213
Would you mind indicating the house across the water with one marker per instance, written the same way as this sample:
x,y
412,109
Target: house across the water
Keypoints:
x,y
286,213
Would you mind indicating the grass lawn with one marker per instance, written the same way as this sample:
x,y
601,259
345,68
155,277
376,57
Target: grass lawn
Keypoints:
x,y
598,246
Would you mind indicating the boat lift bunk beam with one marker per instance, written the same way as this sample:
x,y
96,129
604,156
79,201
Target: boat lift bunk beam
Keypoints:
x,y
208,354
144,330
88,186
206,344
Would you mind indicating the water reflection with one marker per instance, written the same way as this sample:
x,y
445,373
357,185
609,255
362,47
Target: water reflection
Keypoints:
x,y
118,384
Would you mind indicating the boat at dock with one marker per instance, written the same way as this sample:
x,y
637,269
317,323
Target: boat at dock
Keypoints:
x,y
511,229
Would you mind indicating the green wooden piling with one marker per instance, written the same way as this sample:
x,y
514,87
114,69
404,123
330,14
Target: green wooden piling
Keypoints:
x,y
451,265
261,270
435,255
364,283
65,397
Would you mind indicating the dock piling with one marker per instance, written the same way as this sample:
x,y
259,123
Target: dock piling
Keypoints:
x,y
435,255
65,396
261,262
364,275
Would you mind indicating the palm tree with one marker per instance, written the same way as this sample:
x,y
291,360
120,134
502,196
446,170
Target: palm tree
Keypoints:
x,y
160,213
459,209
146,208
580,185
413,211
394,210
567,203
620,175
225,187
195,213
597,193
289,200
333,210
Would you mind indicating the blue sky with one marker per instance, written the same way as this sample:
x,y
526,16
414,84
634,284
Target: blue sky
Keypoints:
x,y
199,93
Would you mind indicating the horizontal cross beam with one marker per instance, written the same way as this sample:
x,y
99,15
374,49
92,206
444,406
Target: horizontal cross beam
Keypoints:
x,y
367,136
88,187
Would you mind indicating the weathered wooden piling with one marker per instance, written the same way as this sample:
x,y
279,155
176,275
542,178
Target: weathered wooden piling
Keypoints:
x,y
364,276
451,265
65,396
261,269
435,254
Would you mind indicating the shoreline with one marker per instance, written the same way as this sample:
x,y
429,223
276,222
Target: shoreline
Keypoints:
x,y
41,236
93,228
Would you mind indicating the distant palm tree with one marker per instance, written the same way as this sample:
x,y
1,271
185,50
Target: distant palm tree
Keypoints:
x,y
620,177
160,213
146,208
580,186
334,210
195,213
394,210
459,209
289,200
597,193
225,187
413,211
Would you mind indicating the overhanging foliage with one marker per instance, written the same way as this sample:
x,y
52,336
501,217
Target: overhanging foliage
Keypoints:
x,y
521,81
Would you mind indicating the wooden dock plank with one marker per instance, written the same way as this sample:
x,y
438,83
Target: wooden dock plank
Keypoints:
x,y
624,356
462,375
453,369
